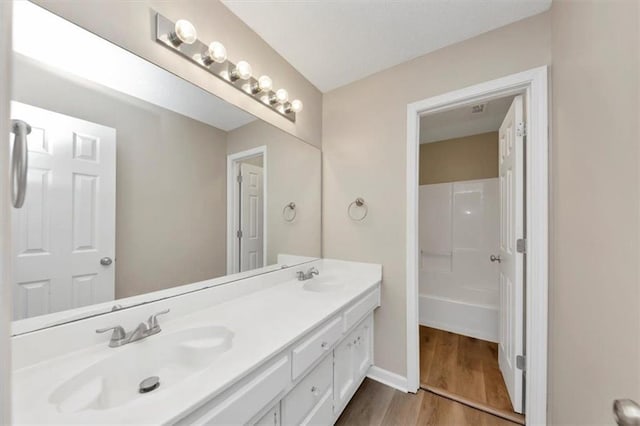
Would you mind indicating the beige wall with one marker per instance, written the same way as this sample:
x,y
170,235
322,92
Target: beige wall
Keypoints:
x,y
129,24
595,229
453,160
364,138
594,297
170,182
294,173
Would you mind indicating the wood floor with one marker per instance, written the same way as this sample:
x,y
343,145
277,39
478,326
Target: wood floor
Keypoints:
x,y
464,368
375,404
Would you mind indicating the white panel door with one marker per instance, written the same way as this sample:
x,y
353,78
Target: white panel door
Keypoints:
x,y
511,164
363,350
251,217
67,223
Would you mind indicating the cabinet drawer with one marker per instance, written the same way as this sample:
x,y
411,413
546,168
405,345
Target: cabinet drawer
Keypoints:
x,y
315,346
355,313
308,393
245,401
322,413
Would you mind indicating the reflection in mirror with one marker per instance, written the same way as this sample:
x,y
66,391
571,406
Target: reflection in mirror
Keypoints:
x,y
140,182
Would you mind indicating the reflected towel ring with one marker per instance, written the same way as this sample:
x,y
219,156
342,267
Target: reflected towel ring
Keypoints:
x,y
358,202
291,206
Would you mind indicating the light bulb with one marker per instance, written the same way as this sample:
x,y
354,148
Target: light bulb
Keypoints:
x,y
296,105
265,83
241,71
184,32
282,96
215,53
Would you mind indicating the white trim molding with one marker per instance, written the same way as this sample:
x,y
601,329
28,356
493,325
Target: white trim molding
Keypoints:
x,y
533,84
232,161
5,212
388,378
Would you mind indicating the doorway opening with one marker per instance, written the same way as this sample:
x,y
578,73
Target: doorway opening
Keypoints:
x,y
477,247
471,198
246,210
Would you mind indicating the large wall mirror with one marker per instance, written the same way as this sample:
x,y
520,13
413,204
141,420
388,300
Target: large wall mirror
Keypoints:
x,y
140,184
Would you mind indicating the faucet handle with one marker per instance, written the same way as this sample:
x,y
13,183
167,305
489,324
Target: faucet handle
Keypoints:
x,y
153,319
118,332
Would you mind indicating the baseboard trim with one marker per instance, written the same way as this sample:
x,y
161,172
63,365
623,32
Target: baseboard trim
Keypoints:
x,y
388,378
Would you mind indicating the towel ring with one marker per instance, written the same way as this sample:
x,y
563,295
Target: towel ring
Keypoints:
x,y
291,206
358,202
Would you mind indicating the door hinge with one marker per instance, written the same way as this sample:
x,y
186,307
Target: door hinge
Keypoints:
x,y
521,361
239,234
521,129
239,179
521,245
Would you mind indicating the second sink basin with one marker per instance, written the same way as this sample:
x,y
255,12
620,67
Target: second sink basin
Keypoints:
x,y
114,380
324,283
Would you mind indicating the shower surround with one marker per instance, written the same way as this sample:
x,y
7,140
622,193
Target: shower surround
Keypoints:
x,y
459,285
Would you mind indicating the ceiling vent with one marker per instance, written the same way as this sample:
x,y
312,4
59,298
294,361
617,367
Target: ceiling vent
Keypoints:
x,y
478,109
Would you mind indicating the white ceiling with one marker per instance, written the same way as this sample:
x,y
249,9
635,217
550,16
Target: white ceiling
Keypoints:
x,y
336,42
460,122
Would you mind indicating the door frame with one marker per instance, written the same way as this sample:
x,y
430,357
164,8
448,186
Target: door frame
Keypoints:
x,y
233,160
532,83
5,210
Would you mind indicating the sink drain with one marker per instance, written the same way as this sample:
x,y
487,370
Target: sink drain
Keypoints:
x,y
149,384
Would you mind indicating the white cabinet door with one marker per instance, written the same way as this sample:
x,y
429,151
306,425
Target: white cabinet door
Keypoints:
x,y
352,359
362,349
272,418
343,373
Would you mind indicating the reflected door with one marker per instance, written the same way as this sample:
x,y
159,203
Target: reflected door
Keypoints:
x,y
251,217
64,236
511,164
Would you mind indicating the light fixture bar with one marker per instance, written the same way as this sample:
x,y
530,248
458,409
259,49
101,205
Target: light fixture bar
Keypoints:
x,y
197,52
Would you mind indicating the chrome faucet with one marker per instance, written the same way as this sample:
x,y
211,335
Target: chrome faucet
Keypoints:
x,y
303,276
120,337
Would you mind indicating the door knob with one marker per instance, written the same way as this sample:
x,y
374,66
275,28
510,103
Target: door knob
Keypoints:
x,y
626,412
495,258
106,261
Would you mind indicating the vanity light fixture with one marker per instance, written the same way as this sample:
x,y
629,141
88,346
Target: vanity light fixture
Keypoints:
x,y
183,32
216,52
181,37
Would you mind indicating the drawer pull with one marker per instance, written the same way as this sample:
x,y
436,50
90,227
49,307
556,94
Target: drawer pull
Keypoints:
x,y
324,345
314,390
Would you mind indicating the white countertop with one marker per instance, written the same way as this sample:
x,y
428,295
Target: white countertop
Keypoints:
x,y
263,322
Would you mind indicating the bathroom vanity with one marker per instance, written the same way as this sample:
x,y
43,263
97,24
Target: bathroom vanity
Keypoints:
x,y
269,349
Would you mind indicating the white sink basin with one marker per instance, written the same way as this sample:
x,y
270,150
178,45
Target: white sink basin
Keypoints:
x,y
114,381
323,284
